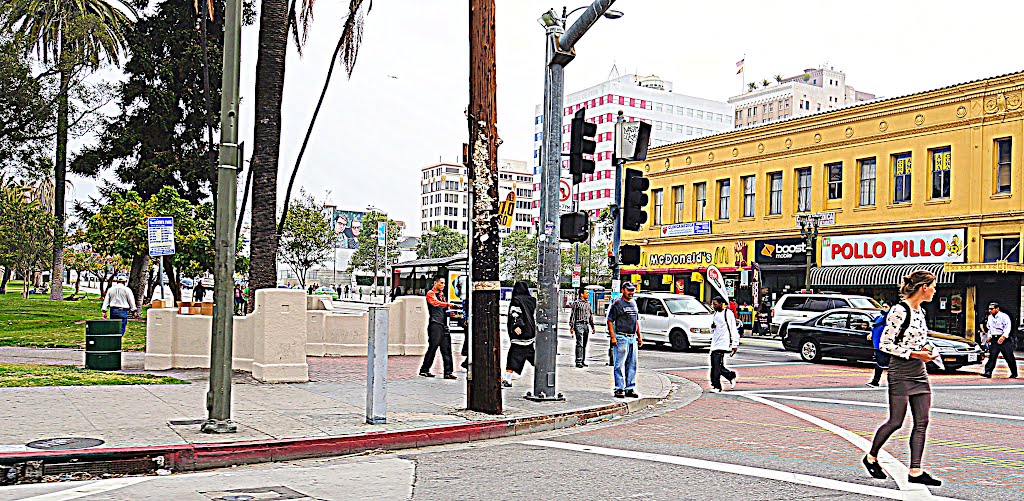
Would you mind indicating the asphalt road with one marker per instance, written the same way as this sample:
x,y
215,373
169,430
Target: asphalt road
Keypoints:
x,y
789,430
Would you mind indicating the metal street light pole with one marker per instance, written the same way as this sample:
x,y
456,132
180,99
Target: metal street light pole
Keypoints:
x,y
218,399
809,230
559,53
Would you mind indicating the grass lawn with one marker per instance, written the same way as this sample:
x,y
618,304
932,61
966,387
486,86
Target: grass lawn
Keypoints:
x,y
37,322
22,375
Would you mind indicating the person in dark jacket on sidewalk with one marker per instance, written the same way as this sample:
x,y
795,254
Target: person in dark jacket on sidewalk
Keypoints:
x,y
438,336
522,332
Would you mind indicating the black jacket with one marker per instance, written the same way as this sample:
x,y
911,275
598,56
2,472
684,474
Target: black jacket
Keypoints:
x,y
521,313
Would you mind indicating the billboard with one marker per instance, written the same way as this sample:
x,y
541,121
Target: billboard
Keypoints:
x,y
912,247
346,226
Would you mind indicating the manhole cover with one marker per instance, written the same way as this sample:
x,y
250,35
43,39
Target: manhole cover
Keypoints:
x,y
64,443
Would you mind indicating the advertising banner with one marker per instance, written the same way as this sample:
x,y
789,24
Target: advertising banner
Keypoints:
x,y
913,247
346,226
684,229
780,250
717,281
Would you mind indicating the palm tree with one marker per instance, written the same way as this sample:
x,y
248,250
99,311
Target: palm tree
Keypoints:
x,y
347,49
751,86
765,83
75,35
778,77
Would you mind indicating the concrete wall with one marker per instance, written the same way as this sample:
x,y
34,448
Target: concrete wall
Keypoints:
x,y
285,327
339,334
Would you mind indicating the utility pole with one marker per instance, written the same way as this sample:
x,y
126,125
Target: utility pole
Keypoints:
x,y
560,52
484,388
616,209
218,399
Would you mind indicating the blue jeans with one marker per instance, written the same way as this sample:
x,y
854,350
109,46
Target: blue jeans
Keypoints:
x,y
121,313
625,362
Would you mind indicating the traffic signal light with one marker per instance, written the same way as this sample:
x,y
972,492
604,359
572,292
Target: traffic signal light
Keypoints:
x,y
634,200
574,227
582,143
630,254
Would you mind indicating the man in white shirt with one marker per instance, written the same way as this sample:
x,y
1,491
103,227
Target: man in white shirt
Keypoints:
x,y
120,301
725,338
998,329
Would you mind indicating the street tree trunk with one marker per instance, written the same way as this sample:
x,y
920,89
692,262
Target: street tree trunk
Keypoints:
x,y
484,389
270,66
5,279
138,277
60,169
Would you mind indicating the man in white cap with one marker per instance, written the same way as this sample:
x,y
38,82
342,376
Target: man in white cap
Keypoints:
x,y
120,301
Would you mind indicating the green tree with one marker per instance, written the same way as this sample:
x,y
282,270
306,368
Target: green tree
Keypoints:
x,y
76,35
518,258
364,256
26,111
440,241
308,238
26,233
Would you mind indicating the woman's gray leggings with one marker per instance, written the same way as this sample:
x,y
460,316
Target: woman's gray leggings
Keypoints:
x,y
920,407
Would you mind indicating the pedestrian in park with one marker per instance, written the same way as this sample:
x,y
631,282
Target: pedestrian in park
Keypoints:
x,y
120,301
624,331
581,320
199,292
438,336
908,376
239,300
522,332
881,357
360,293
346,291
724,340
998,328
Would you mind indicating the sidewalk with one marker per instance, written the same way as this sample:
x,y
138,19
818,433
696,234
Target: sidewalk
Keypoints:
x,y
322,417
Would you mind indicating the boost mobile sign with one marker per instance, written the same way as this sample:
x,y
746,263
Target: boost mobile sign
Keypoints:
x,y
915,247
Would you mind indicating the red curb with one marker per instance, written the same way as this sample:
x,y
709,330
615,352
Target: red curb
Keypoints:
x,y
200,456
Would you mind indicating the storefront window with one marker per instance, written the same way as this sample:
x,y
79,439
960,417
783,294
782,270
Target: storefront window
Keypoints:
x,y
901,172
942,162
998,249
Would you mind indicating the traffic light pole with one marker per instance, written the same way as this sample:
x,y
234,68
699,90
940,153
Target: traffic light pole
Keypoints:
x,y
559,48
617,220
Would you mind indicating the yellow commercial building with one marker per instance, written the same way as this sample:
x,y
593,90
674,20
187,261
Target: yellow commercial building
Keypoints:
x,y
930,180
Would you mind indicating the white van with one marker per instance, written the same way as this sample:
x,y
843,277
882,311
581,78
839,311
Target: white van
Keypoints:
x,y
682,321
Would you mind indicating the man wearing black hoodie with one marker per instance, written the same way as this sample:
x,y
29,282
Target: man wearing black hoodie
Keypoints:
x,y
522,332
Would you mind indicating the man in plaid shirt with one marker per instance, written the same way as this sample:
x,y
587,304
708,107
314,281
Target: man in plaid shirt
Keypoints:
x,y
581,321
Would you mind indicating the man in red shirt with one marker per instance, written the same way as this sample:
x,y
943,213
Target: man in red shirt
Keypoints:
x,y
438,335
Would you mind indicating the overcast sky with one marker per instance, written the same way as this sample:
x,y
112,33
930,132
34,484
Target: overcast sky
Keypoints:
x,y
404,106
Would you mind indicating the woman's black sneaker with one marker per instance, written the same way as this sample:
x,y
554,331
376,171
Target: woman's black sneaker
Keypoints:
x,y
874,469
924,478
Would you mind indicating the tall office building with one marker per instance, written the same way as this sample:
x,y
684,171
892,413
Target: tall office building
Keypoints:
x,y
673,117
444,198
814,90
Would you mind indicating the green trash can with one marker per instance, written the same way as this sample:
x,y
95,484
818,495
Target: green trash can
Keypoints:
x,y
103,345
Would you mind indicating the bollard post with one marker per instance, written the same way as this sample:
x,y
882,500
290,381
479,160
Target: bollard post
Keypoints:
x,y
377,366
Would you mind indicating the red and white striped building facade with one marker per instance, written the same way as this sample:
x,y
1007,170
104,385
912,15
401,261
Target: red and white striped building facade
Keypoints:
x,y
674,118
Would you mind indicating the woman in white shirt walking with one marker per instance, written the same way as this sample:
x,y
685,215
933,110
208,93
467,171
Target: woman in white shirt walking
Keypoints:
x,y
908,376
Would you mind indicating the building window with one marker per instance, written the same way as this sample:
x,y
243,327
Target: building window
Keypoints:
x,y
998,249
942,164
835,180
723,199
775,189
867,181
700,197
1003,164
901,178
659,202
677,198
749,187
803,190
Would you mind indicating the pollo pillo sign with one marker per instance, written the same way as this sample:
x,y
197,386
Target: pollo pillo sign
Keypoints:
x,y
913,247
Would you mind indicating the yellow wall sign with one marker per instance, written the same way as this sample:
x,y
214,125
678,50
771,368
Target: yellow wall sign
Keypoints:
x,y
696,277
666,279
507,210
634,278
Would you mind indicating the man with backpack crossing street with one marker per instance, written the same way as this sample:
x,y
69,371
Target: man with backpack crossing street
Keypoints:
x,y
881,357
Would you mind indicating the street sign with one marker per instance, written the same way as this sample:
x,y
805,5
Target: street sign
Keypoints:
x,y
382,232
827,218
576,271
161,236
564,191
632,140
507,210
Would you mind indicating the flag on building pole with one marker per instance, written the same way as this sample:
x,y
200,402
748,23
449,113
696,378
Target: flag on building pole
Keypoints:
x,y
739,65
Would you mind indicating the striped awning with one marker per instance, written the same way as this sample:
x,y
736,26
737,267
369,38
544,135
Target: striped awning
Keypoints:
x,y
876,275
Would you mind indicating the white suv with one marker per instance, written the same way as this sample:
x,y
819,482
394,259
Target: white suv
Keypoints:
x,y
680,320
798,307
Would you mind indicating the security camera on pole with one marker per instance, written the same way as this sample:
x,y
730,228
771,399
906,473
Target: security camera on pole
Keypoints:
x,y
560,52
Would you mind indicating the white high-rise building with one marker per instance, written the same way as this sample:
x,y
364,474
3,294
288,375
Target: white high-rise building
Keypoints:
x,y
673,117
444,198
815,90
